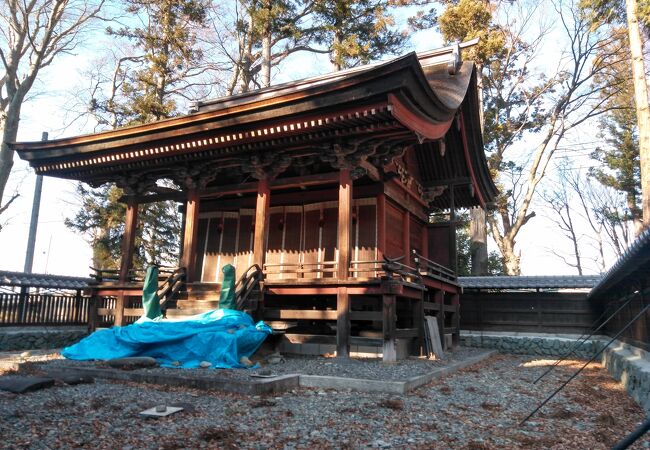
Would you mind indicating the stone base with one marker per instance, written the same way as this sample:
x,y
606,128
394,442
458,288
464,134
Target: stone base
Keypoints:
x,y
33,338
356,351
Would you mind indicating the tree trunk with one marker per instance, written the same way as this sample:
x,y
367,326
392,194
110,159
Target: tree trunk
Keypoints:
x,y
478,236
266,49
8,130
511,261
641,100
478,225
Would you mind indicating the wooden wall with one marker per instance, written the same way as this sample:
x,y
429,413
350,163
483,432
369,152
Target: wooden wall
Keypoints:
x,y
542,312
298,234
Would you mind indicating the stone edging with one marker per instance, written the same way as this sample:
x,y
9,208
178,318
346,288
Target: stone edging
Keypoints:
x,y
269,385
33,339
390,387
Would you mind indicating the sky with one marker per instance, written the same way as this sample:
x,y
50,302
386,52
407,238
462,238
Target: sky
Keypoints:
x,y
64,252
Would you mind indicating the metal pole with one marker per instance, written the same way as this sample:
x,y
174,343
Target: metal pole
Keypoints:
x,y
634,319
31,240
33,225
633,436
581,341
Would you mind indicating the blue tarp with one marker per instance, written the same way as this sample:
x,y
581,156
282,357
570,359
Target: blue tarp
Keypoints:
x,y
221,337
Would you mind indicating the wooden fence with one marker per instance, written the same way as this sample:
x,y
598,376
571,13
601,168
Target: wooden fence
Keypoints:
x,y
43,309
525,311
638,334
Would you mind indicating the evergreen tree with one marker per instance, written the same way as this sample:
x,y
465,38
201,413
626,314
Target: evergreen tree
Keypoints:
x,y
620,155
145,87
356,32
631,16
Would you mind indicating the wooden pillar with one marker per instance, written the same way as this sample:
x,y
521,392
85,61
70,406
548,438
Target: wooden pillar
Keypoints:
x,y
128,239
455,337
261,222
418,324
342,323
128,244
190,234
406,237
345,223
425,241
389,317
381,225
439,299
453,258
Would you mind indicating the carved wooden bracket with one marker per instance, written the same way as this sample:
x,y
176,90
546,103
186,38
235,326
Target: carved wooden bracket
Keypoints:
x,y
386,153
195,176
265,166
429,194
136,183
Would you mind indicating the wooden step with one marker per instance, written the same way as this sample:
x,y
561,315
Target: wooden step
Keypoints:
x,y
176,313
198,296
203,287
197,304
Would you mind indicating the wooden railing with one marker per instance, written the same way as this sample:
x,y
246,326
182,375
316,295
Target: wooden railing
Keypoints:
x,y
321,269
245,287
428,268
116,302
171,286
43,309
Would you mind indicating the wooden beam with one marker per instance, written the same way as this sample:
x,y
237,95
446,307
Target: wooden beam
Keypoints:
x,y
299,314
345,223
261,222
151,198
389,325
343,323
459,181
190,235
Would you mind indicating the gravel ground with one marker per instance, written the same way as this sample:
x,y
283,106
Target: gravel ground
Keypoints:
x,y
476,408
373,369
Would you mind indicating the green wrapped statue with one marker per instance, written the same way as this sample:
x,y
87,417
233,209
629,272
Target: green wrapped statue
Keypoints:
x,y
227,298
150,300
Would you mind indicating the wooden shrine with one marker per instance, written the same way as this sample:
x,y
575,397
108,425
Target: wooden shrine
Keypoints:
x,y
326,184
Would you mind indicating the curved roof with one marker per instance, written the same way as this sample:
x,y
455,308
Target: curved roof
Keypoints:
x,y
530,282
39,280
633,264
411,100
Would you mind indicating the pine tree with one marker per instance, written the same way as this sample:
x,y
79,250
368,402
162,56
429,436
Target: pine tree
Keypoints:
x,y
356,32
633,15
620,156
150,84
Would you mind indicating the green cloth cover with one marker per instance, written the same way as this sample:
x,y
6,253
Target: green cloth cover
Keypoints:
x,y
227,298
150,300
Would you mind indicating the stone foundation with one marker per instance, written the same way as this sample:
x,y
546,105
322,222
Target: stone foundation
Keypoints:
x,y
630,365
32,338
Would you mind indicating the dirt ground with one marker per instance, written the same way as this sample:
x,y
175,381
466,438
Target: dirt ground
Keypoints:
x,y
479,407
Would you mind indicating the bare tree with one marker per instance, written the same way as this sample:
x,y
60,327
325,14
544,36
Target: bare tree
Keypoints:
x,y
588,214
569,99
32,34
